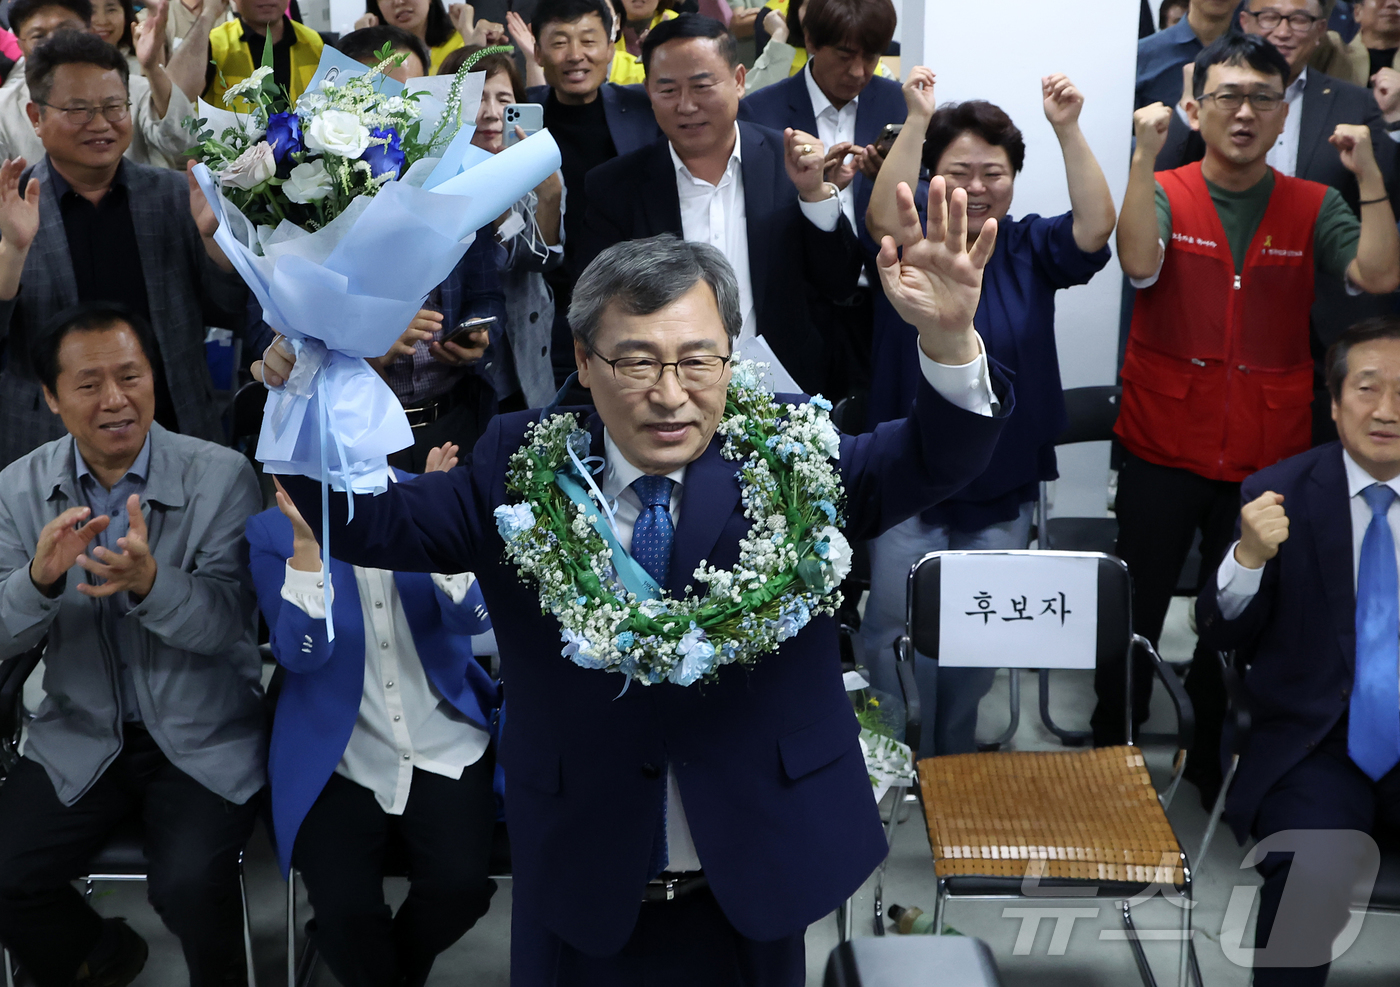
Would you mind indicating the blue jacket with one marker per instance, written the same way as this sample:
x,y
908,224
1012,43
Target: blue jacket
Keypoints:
x,y
788,104
766,756
321,694
1299,630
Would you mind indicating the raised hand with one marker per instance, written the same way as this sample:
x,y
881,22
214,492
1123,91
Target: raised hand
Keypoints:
x,y
934,282
1150,128
918,92
1062,100
488,33
1386,86
841,164
442,458
463,17
805,160
1353,144
366,20
149,35
776,26
306,550
61,544
133,571
521,34
1263,528
19,214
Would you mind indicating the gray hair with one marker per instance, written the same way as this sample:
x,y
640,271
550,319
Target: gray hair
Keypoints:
x,y
644,276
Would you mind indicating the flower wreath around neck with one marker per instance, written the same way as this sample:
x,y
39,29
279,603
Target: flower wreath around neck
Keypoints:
x,y
613,616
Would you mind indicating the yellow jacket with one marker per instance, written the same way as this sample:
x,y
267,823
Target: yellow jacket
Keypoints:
x,y
235,62
627,68
443,50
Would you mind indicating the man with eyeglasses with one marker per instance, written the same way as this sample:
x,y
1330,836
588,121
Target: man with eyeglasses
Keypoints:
x,y
161,97
675,835
1317,103
1218,373
85,224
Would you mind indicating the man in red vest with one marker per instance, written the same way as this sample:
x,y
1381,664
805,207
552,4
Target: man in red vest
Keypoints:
x,y
1217,376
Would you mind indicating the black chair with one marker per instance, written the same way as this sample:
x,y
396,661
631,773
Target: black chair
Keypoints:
x,y
1081,823
123,857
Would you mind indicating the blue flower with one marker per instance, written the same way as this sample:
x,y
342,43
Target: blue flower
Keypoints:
x,y
576,649
820,402
284,135
513,520
384,158
793,619
698,657
624,640
827,508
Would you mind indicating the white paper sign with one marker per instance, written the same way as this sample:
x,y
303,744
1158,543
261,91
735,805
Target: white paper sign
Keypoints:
x,y
1038,610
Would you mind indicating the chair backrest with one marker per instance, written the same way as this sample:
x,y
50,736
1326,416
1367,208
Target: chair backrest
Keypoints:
x,y
14,672
1092,411
1113,619
248,404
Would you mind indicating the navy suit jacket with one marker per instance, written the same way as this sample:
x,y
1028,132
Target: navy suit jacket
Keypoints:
x,y
775,788
635,196
1300,629
788,104
325,680
627,110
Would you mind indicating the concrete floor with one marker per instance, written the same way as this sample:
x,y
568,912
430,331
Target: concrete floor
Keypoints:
x,y
481,956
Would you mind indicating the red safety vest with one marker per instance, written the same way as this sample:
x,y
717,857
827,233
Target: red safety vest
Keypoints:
x,y
1217,377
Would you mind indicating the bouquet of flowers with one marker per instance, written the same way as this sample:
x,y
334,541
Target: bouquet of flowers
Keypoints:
x,y
342,212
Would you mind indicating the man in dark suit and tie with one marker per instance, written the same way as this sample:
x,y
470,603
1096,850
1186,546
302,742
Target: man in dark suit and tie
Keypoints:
x,y
1317,103
756,194
839,97
687,835
1309,591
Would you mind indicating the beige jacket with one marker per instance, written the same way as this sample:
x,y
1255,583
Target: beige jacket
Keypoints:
x,y
1348,62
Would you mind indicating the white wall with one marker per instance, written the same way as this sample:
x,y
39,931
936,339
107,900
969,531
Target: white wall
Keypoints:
x,y
1032,39
343,14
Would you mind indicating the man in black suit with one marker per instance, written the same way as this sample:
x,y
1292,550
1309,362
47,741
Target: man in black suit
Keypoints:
x,y
591,119
1309,591
756,194
1316,104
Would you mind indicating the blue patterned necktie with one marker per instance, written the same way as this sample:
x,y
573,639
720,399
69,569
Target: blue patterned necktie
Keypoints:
x,y
653,533
652,537
1373,730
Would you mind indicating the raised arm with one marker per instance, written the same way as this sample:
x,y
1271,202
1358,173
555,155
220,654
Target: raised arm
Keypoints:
x,y
1139,242
190,61
902,163
1089,198
150,51
1376,268
19,224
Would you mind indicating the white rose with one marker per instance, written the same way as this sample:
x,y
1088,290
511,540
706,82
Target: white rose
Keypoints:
x,y
308,182
253,167
338,132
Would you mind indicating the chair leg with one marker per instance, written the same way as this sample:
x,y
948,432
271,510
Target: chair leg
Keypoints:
x,y
1068,738
1135,945
843,912
247,924
9,967
940,906
1015,724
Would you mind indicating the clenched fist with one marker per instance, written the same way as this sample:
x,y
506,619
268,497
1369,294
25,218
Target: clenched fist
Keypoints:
x,y
1150,128
1263,528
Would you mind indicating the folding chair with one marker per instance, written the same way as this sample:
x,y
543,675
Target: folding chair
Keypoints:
x,y
123,857
1087,823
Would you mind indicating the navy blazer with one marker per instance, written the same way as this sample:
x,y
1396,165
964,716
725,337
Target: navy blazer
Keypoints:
x,y
320,697
775,788
635,196
1300,629
627,110
788,104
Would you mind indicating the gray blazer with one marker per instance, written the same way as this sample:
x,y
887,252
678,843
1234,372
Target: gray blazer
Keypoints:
x,y
191,643
187,292
530,304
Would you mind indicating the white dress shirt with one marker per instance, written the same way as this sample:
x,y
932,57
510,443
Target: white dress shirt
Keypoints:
x,y
833,127
403,722
968,386
715,214
1237,585
1283,156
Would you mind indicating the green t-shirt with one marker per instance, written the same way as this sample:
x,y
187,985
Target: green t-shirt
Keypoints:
x,y
1334,237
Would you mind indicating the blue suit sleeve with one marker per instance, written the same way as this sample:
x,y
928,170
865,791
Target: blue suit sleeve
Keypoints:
x,y
468,617
298,641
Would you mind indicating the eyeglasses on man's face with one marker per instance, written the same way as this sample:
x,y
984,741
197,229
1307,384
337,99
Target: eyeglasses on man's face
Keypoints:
x,y
1270,19
80,114
640,373
1264,101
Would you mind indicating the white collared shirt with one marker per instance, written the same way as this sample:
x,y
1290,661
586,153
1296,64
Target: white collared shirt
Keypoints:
x,y
833,127
716,214
403,721
1237,585
1283,156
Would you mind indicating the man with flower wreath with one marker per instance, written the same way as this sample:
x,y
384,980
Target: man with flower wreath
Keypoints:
x,y
666,832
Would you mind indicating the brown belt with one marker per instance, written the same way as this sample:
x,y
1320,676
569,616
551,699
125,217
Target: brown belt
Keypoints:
x,y
668,887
